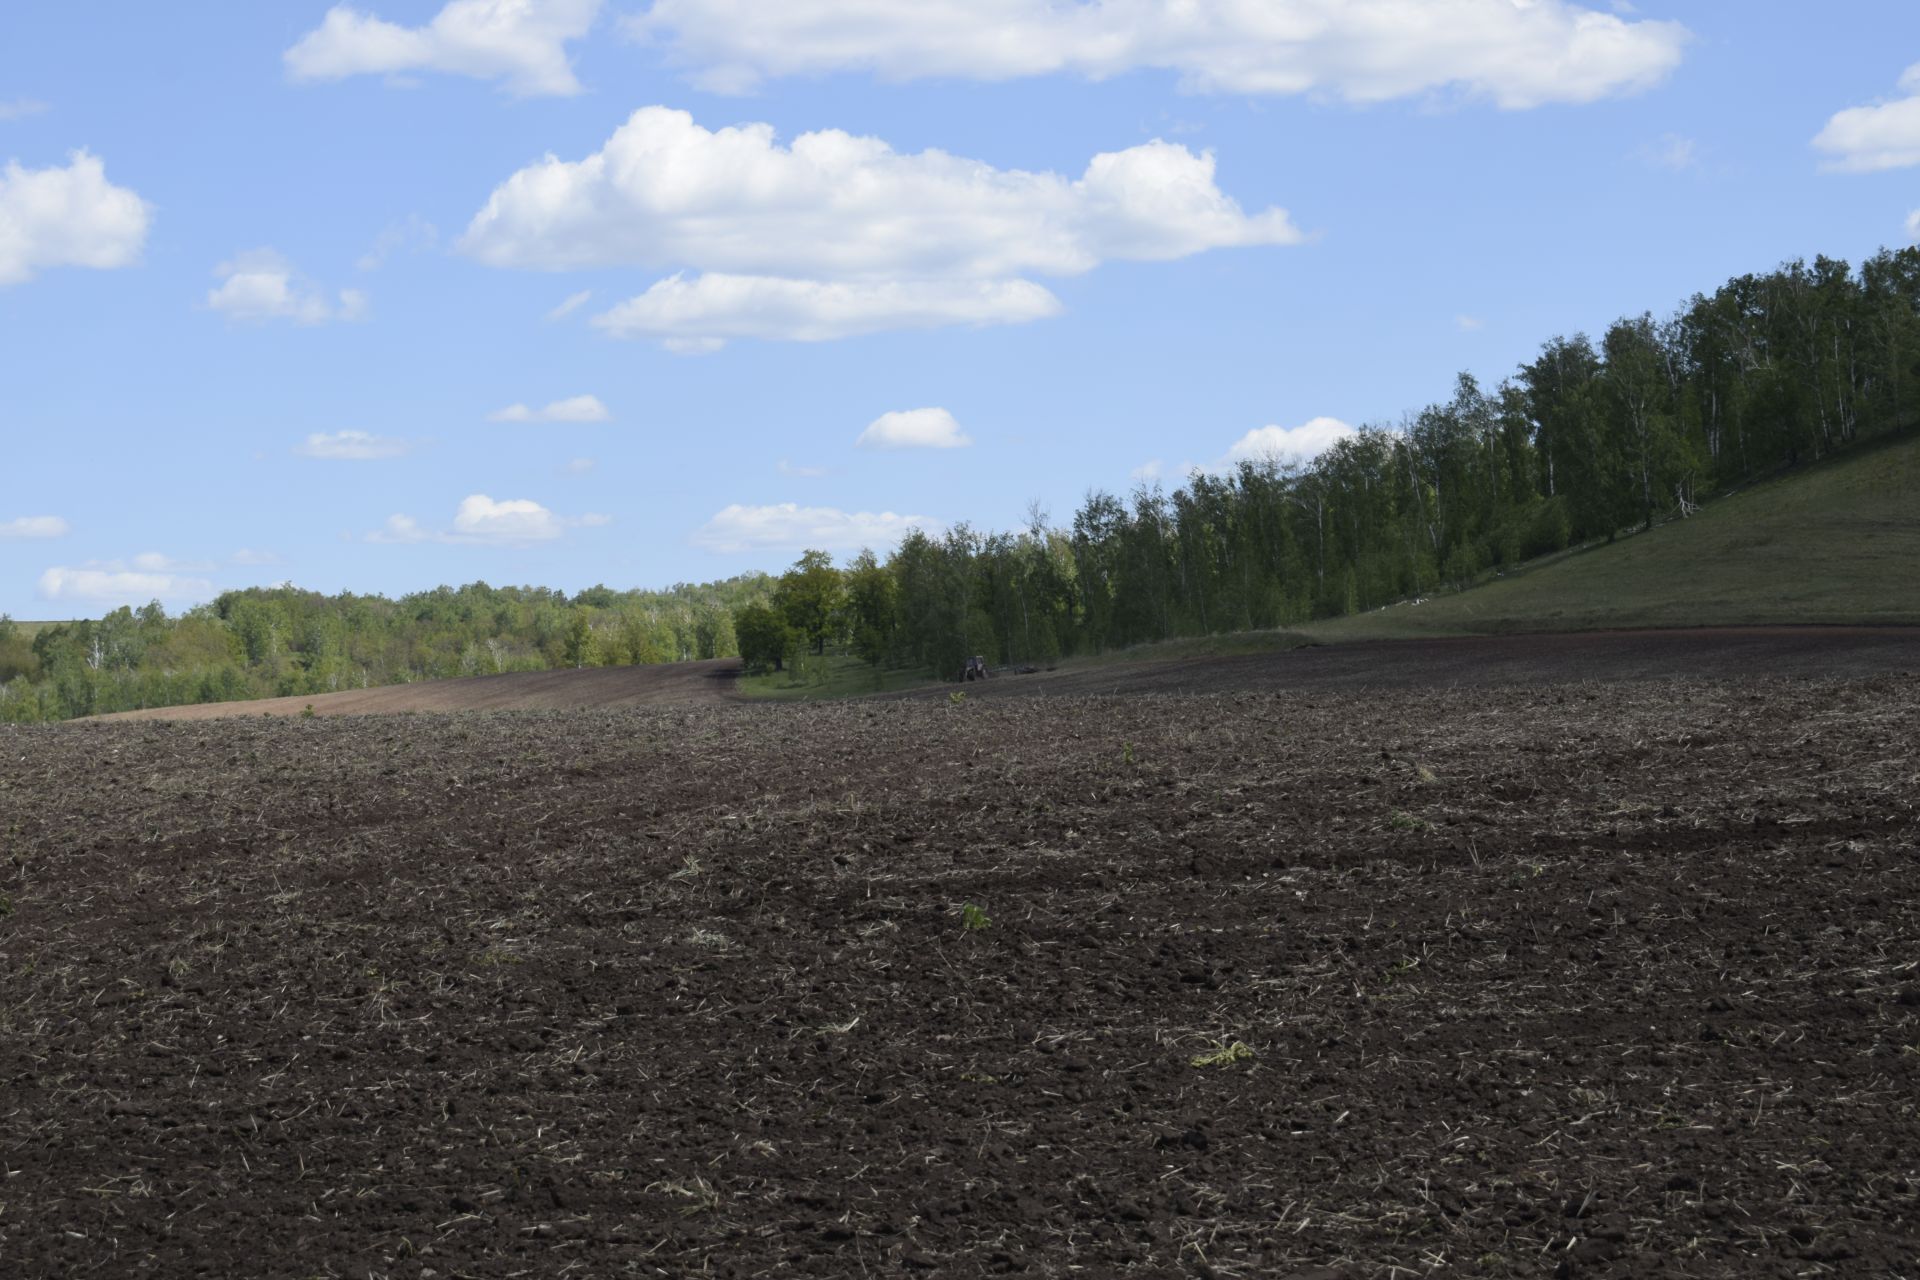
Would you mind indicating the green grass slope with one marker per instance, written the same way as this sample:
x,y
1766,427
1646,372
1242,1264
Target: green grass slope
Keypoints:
x,y
1835,543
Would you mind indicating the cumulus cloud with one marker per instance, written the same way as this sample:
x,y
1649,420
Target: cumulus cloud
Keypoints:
x,y
572,409
1883,136
836,235
700,315
914,429
481,520
521,43
67,217
35,527
260,285
1517,53
788,526
351,446
1300,443
20,109
114,583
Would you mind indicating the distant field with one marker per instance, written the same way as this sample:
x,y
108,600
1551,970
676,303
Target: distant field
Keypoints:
x,y
1837,543
32,629
665,684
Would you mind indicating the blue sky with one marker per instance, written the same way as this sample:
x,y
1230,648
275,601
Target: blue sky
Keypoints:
x,y
759,276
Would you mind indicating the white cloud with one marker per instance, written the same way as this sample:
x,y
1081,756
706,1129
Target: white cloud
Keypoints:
x,y
1913,226
791,527
838,235
67,217
154,562
572,409
249,557
1518,53
1301,443
260,285
481,520
1468,324
35,527
521,43
1671,151
698,316
415,233
573,302
1884,136
1147,472
581,466
111,582
351,446
914,429
666,192
799,472
20,109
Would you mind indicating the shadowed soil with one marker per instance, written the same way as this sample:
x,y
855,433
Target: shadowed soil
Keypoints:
x,y
1565,979
1487,661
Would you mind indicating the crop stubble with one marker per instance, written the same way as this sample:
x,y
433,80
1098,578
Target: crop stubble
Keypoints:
x,y
1590,980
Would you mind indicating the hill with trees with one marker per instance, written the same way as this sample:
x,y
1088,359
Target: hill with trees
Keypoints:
x,y
1588,442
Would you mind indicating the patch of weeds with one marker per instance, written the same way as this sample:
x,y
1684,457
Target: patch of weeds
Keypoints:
x,y
1126,753
973,919
493,956
1401,821
708,938
6,905
307,712
1224,1056
1425,774
979,1077
700,1195
689,868
957,698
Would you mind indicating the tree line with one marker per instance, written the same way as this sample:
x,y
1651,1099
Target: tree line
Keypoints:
x,y
280,641
1585,442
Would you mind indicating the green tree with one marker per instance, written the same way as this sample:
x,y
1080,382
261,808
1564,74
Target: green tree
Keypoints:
x,y
764,636
810,596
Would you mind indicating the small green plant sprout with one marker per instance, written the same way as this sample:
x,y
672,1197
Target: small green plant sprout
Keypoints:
x,y
307,712
1406,822
1126,753
957,698
973,919
1223,1056
1425,774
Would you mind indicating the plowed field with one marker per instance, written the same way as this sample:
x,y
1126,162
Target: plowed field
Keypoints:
x,y
1571,979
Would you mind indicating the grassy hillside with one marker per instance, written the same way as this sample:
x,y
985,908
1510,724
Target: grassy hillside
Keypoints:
x,y
1839,542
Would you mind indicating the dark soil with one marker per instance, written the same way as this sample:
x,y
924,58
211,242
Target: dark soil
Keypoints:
x,y
1695,653
1572,979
